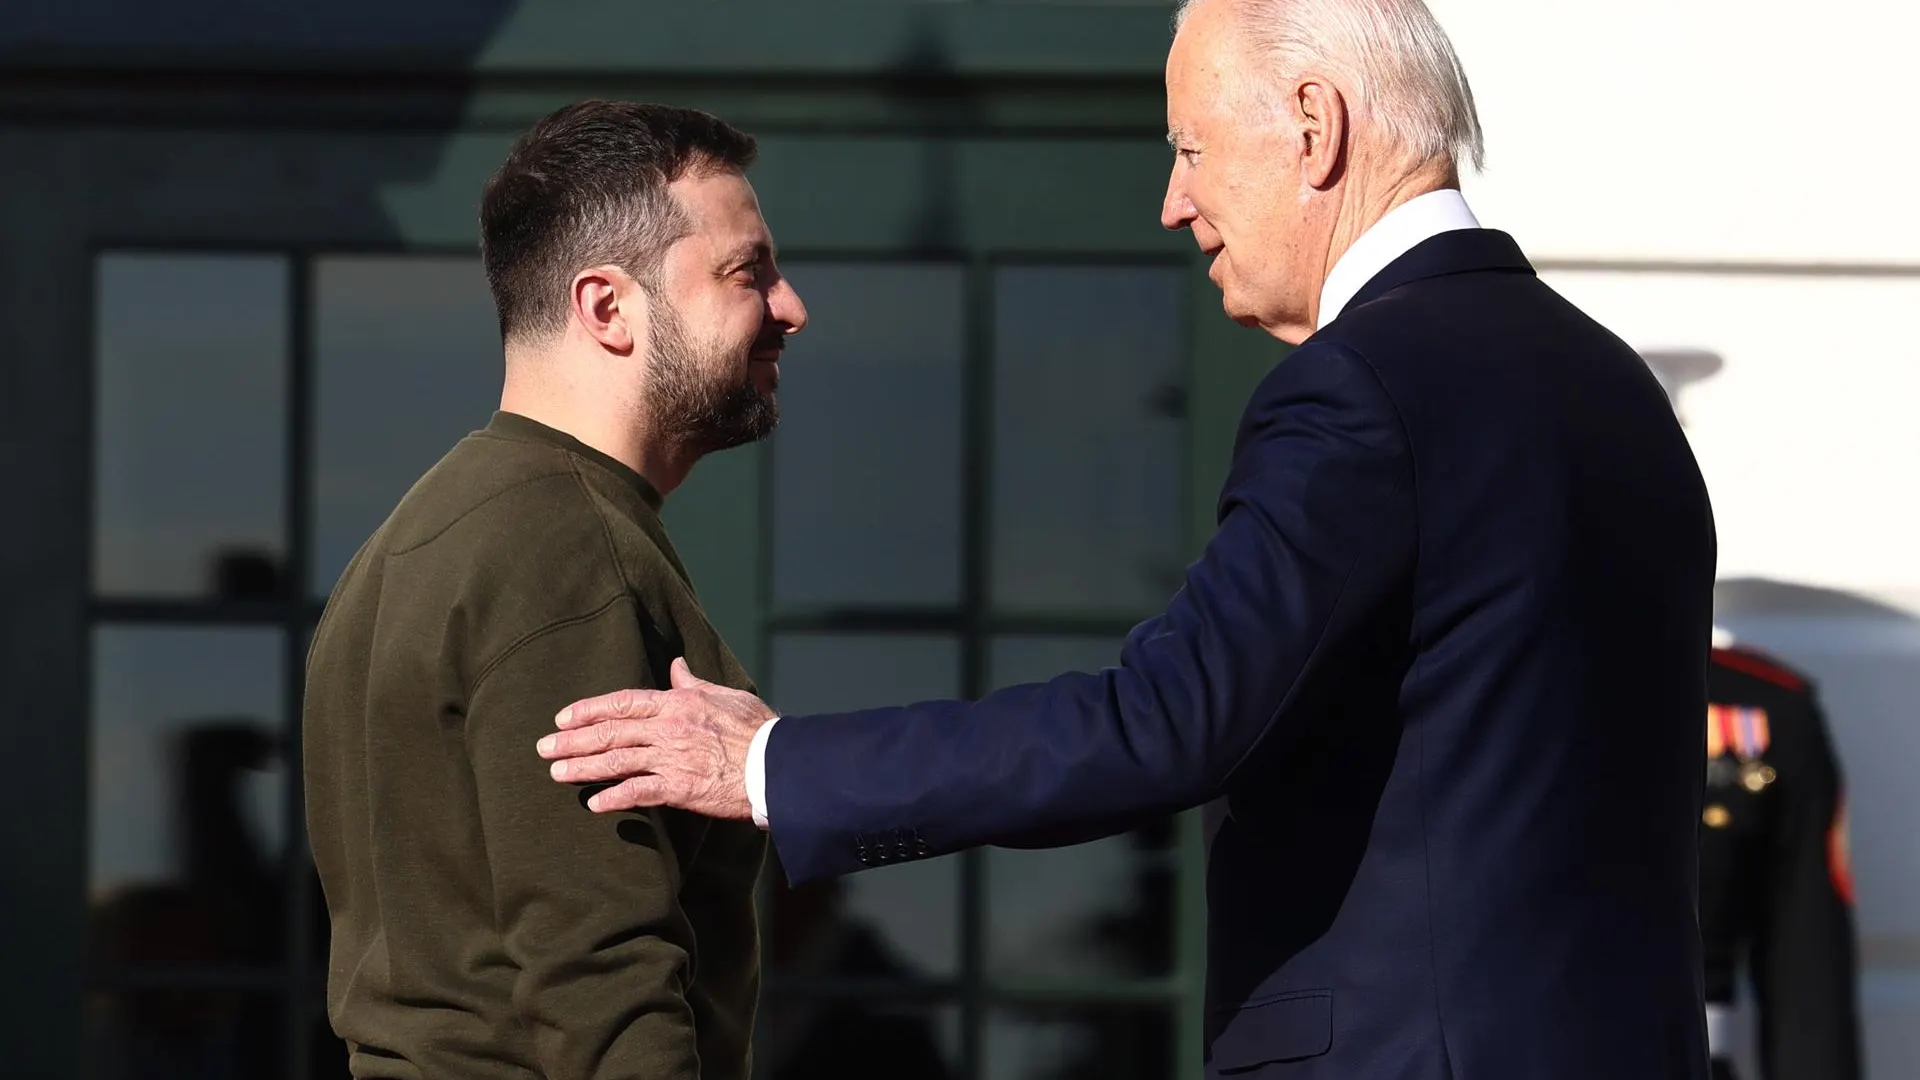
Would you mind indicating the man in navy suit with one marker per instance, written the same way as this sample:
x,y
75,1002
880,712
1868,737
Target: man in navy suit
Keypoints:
x,y
1437,678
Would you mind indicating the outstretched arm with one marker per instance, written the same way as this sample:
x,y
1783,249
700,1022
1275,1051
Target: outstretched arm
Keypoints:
x,y
1316,541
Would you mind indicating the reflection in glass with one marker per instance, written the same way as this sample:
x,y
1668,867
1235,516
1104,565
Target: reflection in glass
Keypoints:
x,y
1088,455
163,1033
1028,658
840,672
187,799
866,465
806,1036
1103,909
1080,1042
189,424
407,360
911,909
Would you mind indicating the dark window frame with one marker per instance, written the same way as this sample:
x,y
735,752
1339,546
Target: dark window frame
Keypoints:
x,y
975,623
299,980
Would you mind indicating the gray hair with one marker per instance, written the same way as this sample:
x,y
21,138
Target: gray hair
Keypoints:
x,y
1390,57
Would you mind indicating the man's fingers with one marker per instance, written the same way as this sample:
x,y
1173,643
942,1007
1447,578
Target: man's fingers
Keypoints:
x,y
611,765
598,739
631,794
619,705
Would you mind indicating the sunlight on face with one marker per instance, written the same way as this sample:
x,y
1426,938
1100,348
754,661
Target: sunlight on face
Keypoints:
x,y
1236,178
718,330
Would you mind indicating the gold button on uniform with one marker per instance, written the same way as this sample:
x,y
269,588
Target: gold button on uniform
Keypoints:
x,y
1716,816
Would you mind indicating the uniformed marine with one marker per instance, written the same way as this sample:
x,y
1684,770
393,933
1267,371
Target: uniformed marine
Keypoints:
x,y
1776,887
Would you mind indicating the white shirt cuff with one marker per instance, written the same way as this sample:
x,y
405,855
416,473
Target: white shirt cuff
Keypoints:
x,y
757,773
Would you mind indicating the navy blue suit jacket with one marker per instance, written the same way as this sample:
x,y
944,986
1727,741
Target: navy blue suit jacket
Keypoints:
x,y
1438,679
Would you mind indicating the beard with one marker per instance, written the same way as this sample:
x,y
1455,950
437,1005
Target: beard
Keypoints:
x,y
700,394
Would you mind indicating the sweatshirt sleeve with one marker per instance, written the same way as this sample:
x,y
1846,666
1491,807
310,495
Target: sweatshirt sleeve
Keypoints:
x,y
588,906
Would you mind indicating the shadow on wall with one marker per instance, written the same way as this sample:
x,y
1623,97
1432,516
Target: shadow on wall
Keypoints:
x,y
202,122
1764,598
1863,655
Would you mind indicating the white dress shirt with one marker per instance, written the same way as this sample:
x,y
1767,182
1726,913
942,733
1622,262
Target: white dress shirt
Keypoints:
x,y
757,772
1404,227
1392,236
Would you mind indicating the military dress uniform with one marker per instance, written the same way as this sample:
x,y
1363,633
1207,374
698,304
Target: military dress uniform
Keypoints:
x,y
1776,886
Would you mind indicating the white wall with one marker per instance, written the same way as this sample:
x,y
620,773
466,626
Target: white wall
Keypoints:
x,y
1697,129
1737,178
1807,432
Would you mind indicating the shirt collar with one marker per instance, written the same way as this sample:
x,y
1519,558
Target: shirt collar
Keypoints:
x,y
1392,236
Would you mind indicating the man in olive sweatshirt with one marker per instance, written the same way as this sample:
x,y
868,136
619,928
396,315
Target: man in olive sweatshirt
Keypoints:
x,y
485,922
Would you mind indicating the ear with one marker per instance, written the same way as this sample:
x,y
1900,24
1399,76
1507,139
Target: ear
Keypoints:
x,y
1320,113
609,306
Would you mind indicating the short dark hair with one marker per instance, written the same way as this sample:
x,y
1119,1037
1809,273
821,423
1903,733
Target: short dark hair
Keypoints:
x,y
587,186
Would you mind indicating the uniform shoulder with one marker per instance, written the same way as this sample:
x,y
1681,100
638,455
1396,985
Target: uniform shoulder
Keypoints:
x,y
1746,660
1762,705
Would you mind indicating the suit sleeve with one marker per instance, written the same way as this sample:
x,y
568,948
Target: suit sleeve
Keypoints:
x,y
1315,542
588,906
1803,958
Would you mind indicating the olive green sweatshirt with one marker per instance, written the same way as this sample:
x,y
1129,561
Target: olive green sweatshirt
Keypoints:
x,y
485,923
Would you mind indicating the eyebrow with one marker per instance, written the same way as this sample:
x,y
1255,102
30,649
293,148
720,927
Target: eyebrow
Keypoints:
x,y
751,252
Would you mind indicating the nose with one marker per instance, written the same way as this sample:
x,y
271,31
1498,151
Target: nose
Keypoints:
x,y
1176,208
785,306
